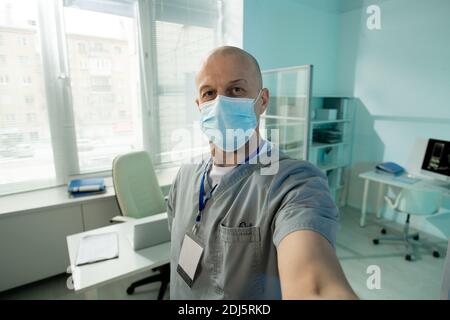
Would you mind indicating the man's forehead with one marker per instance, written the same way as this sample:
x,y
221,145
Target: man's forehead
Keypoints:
x,y
225,69
212,79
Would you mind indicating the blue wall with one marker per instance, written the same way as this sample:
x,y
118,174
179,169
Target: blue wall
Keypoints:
x,y
401,79
285,33
400,74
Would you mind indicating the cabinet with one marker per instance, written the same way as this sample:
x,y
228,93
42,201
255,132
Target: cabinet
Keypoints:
x,y
330,141
33,245
285,121
317,129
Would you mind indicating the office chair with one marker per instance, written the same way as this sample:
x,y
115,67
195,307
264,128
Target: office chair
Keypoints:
x,y
441,221
411,202
138,195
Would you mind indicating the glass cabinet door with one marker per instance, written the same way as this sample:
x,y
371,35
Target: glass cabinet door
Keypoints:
x,y
285,121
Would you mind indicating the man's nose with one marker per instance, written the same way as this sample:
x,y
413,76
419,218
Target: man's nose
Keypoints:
x,y
221,92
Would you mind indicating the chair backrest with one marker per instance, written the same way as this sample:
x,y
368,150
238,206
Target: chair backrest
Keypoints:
x,y
419,201
136,186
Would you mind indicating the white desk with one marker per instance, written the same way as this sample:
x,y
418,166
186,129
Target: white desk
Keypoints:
x,y
36,224
384,180
88,278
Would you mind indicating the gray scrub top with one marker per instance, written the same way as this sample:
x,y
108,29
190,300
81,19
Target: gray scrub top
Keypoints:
x,y
243,223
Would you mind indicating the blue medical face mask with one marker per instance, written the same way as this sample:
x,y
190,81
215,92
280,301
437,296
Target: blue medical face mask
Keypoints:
x,y
229,122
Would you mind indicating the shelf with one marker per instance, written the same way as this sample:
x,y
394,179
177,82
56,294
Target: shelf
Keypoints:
x,y
277,125
298,119
330,166
292,150
329,121
317,145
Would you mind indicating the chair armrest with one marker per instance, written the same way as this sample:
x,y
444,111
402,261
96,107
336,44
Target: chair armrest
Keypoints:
x,y
390,201
120,219
393,202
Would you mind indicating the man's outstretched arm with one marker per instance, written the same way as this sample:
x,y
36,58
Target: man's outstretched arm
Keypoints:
x,y
309,268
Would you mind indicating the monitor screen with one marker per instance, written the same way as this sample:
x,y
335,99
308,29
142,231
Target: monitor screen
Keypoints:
x,y
437,157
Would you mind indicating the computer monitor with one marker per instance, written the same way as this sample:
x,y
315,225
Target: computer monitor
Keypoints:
x,y
436,162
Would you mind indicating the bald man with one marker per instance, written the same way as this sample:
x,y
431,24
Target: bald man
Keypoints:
x,y
240,233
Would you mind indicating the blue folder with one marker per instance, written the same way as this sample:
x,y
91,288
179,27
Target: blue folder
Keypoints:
x,y
389,168
85,187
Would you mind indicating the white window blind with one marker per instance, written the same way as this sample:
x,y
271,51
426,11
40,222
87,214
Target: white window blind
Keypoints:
x,y
185,31
102,50
26,156
82,81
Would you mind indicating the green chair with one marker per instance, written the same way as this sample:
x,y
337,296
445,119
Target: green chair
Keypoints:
x,y
138,195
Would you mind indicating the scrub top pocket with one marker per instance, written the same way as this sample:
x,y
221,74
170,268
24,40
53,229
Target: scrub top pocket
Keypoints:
x,y
238,261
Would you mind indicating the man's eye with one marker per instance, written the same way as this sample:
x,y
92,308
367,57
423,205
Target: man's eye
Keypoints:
x,y
237,90
207,94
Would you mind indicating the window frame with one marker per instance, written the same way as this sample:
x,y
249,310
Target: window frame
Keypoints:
x,y
58,93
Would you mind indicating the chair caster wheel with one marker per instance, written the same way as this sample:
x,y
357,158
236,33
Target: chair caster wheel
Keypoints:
x,y
436,254
383,231
416,237
130,290
376,241
408,257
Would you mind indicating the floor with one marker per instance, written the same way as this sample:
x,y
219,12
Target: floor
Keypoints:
x,y
399,279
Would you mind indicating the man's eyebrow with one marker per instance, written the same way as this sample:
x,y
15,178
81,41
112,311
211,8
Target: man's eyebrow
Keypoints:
x,y
205,86
236,81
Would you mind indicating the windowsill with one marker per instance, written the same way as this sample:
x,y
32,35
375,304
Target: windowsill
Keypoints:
x,y
58,196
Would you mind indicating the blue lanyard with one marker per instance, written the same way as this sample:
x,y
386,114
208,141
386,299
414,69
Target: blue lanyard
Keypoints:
x,y
202,200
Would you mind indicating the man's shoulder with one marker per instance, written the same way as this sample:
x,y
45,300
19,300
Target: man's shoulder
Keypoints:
x,y
192,168
304,167
287,167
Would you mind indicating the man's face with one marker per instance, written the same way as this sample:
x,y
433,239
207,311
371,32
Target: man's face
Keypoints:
x,y
230,75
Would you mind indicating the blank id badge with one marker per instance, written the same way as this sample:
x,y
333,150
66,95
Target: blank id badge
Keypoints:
x,y
191,252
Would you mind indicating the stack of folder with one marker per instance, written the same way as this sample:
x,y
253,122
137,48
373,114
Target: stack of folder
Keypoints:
x,y
389,168
86,187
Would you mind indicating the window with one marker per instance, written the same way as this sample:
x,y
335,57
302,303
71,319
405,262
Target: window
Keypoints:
x,y
96,47
26,80
104,104
5,100
100,66
29,99
26,156
22,41
4,79
31,117
101,84
84,65
180,44
24,60
122,114
98,123
10,117
81,48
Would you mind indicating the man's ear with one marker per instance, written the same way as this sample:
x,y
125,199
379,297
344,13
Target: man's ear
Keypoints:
x,y
264,101
197,102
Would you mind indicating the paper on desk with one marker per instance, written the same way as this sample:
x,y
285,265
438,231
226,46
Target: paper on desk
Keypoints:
x,y
98,247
